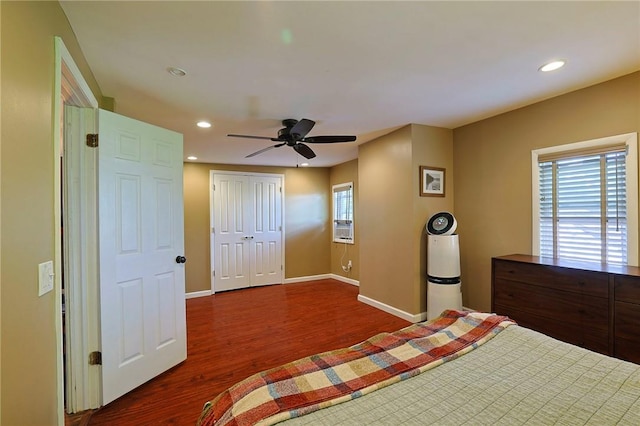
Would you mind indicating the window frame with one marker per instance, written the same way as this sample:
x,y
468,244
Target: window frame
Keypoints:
x,y
631,164
338,188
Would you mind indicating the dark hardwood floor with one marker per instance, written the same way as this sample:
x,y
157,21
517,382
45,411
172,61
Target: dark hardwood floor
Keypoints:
x,y
235,334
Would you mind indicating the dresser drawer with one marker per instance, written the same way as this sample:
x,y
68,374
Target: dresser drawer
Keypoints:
x,y
627,288
627,320
581,310
566,279
580,335
628,350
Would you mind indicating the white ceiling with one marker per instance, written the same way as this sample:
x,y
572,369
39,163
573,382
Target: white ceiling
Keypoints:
x,y
355,67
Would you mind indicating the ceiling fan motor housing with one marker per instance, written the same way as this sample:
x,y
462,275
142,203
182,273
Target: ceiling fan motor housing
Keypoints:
x,y
285,133
289,122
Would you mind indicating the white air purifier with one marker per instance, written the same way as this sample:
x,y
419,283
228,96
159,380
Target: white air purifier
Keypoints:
x,y
443,265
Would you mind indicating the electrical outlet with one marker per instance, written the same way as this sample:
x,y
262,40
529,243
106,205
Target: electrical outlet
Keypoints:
x,y
45,277
349,265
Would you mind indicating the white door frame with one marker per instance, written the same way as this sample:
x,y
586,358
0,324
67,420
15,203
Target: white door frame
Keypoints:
x,y
211,217
71,88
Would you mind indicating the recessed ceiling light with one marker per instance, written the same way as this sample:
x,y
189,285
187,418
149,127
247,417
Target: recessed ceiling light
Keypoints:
x,y
551,66
178,72
304,164
192,157
203,124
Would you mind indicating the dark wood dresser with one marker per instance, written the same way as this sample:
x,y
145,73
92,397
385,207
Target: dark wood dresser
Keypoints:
x,y
590,305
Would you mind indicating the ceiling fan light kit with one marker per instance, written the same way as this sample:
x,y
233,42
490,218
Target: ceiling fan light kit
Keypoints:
x,y
294,134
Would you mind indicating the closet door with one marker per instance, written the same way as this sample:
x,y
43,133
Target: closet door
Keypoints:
x,y
247,231
266,236
231,232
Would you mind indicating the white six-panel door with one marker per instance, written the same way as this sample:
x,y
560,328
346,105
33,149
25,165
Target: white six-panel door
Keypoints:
x,y
246,230
142,299
231,232
266,231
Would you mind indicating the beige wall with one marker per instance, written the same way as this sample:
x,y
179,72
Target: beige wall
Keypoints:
x,y
392,215
384,173
306,220
29,355
493,170
342,253
432,146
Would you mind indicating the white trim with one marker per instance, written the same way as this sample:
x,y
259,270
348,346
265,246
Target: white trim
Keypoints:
x,y
195,294
633,252
364,299
631,140
65,68
393,311
334,189
80,260
204,293
345,280
74,77
321,277
307,278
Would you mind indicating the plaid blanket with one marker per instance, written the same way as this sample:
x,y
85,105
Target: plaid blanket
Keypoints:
x,y
333,377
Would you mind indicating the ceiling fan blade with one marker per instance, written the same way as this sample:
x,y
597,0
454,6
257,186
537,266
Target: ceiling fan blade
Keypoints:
x,y
264,150
301,128
256,137
329,139
304,150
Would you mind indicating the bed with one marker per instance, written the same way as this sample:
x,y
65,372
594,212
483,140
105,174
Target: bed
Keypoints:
x,y
463,368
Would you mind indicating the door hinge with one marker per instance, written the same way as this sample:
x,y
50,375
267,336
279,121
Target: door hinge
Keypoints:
x,y
95,358
214,273
92,140
213,230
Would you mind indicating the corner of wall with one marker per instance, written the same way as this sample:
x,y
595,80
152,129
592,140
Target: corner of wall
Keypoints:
x,y
341,253
108,103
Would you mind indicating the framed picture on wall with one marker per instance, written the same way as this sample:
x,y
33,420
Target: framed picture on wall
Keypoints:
x,y
431,181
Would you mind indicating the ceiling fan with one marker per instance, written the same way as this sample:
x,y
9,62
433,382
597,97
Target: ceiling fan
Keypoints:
x,y
293,134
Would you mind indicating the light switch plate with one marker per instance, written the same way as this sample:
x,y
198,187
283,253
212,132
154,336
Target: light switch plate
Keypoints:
x,y
45,277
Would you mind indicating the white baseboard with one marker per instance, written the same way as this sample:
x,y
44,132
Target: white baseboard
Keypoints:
x,y
195,294
345,279
364,299
322,277
393,311
307,278
204,293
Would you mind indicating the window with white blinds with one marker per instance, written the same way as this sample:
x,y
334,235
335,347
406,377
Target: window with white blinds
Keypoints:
x,y
343,213
583,209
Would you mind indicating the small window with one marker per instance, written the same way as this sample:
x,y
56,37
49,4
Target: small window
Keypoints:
x,y
585,201
343,213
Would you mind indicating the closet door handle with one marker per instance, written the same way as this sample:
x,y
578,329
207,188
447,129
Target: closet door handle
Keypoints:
x,y
181,259
249,237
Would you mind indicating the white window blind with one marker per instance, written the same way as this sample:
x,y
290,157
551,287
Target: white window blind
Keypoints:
x,y
343,213
583,207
